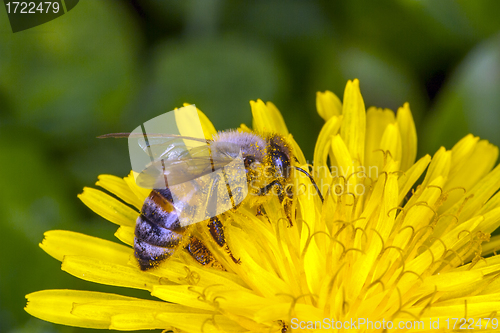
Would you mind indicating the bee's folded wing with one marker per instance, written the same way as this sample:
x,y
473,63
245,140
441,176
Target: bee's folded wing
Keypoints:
x,y
167,148
188,164
165,173
211,194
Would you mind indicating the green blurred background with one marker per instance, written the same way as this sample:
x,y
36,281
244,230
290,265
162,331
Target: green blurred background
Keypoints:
x,y
108,66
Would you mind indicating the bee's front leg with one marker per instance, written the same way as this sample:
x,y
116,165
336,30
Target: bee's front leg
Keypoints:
x,y
282,195
260,210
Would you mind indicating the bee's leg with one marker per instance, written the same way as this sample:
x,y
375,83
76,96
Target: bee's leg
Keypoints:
x,y
282,193
202,254
215,226
260,210
217,231
284,326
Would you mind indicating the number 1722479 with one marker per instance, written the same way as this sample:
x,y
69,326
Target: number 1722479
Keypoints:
x,y
32,7
471,323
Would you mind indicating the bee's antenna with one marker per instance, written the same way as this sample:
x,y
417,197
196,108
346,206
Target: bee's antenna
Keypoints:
x,y
312,181
153,136
114,135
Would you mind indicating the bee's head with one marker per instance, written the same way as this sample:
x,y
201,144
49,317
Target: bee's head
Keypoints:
x,y
272,153
279,155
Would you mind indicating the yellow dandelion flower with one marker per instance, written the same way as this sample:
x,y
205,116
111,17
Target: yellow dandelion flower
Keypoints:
x,y
380,252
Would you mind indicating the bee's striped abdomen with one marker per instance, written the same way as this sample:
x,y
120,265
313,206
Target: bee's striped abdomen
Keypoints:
x,y
157,231
158,208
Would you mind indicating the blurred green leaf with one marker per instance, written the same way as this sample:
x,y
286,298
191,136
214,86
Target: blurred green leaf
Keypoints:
x,y
283,20
32,200
384,81
470,102
73,73
482,16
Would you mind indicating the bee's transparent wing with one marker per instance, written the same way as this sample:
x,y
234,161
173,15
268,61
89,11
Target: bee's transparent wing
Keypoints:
x,y
211,194
204,181
145,147
185,164
158,146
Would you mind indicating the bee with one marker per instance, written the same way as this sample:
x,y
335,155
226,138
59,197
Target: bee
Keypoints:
x,y
160,231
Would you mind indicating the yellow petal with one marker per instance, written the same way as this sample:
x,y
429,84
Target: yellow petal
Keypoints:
x,y
387,213
354,121
59,243
478,195
184,295
409,178
486,265
277,311
132,314
119,187
462,150
323,144
328,105
244,300
140,320
277,118
492,246
259,278
297,152
391,142
244,128
453,239
450,281
203,323
439,166
376,123
126,235
108,207
140,193
481,309
408,134
476,299
206,124
475,164
105,272
417,215
490,222
313,266
267,118
345,163
57,305
180,272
